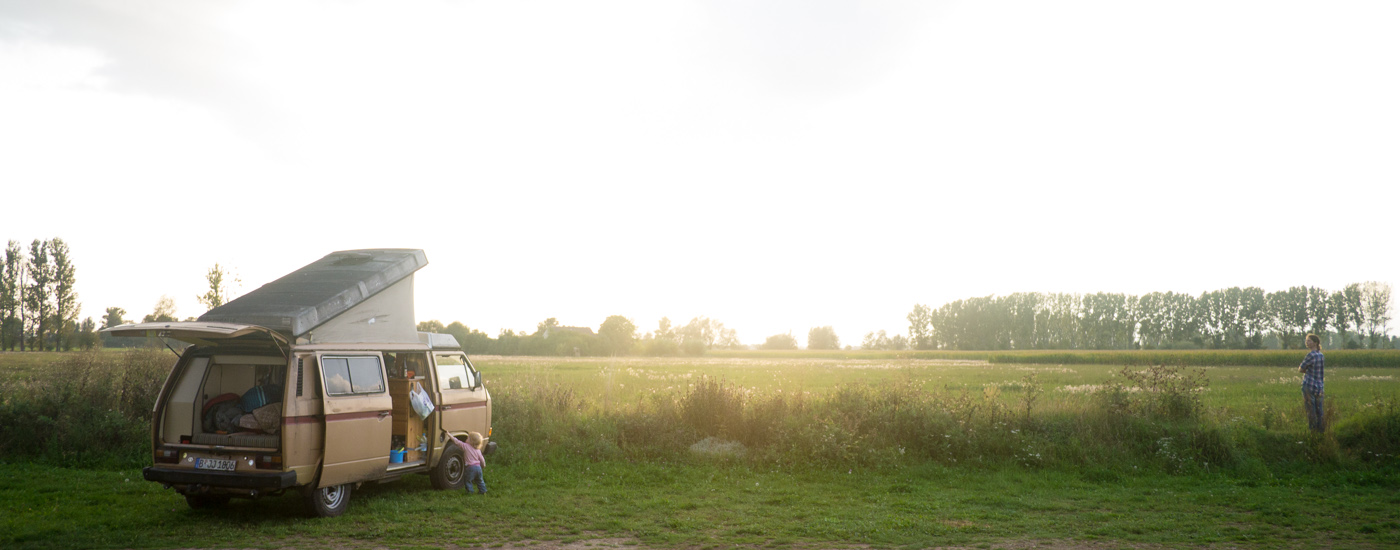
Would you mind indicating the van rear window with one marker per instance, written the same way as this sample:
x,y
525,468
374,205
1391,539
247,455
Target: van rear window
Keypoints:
x,y
352,375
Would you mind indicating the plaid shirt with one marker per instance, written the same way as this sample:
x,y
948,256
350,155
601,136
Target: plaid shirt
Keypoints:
x,y
1312,372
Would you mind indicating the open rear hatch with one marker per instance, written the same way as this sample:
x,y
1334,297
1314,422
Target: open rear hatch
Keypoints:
x,y
211,392
197,332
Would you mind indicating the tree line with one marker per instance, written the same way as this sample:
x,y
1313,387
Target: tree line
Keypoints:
x,y
39,305
1356,316
38,299
617,335
39,311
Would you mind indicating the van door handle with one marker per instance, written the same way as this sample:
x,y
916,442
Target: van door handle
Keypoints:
x,y
383,414
447,407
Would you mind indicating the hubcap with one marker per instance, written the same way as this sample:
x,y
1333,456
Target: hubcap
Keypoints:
x,y
455,469
332,496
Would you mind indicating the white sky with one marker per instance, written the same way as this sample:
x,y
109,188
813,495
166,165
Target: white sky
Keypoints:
x,y
774,165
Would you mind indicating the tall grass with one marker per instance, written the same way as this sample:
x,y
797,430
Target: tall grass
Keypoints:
x,y
1202,358
89,409
1150,418
94,409
1182,358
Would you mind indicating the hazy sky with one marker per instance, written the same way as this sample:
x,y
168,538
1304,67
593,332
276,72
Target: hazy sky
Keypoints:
x,y
775,165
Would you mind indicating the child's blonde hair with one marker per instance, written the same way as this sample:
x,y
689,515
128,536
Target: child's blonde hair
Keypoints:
x,y
474,439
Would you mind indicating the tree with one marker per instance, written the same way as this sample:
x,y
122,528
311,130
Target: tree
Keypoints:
x,y
65,298
662,342
878,340
429,326
898,342
1254,316
1319,310
728,339
471,340
1346,313
823,338
1375,311
38,303
87,335
218,293
547,326
920,328
780,342
10,327
619,334
113,318
164,311
1288,313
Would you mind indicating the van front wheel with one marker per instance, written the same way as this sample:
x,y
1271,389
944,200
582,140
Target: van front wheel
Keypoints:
x,y
451,471
327,502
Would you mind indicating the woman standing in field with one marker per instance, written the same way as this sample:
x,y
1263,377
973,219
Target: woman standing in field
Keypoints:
x,y
1312,382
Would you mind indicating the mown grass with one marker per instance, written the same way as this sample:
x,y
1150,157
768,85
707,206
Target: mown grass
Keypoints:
x,y
879,451
695,504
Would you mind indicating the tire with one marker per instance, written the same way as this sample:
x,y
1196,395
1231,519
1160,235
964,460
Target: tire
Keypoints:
x,y
327,502
490,448
206,501
451,471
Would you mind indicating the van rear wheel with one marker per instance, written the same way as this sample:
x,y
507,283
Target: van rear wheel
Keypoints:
x,y
327,502
451,471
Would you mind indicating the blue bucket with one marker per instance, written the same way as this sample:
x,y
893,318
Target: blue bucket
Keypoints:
x,y
396,457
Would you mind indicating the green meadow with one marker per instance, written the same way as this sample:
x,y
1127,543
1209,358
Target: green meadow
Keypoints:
x,y
788,450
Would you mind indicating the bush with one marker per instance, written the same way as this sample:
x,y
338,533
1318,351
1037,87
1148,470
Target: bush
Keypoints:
x,y
87,409
1374,435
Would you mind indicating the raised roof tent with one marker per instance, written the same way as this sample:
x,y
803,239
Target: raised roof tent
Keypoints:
x,y
347,296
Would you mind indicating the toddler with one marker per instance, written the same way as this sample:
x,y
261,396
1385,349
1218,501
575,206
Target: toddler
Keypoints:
x,y
473,459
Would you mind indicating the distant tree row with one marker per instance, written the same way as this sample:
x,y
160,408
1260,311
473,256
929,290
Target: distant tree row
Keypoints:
x,y
616,336
1234,318
38,301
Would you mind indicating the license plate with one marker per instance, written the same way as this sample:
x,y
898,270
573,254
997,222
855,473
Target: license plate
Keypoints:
x,y
214,464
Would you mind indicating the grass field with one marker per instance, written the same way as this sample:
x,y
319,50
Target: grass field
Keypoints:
x,y
841,452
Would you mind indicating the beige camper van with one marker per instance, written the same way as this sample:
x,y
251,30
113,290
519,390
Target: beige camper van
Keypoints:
x,y
307,384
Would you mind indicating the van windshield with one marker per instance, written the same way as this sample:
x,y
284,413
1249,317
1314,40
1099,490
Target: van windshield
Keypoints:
x,y
453,373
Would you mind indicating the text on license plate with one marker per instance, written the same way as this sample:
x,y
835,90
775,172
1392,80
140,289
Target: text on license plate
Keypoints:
x,y
214,464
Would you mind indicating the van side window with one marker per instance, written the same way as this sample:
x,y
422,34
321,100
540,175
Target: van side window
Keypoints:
x,y
352,375
453,373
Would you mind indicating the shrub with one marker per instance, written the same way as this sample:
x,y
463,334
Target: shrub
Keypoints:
x,y
1160,390
1374,435
86,409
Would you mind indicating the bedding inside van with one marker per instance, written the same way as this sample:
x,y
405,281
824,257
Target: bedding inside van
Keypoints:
x,y
230,400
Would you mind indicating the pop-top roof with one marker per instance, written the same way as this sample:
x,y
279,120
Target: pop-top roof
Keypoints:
x,y
308,297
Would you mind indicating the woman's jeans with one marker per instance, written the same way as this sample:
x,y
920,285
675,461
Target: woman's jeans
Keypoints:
x,y
474,477
1312,401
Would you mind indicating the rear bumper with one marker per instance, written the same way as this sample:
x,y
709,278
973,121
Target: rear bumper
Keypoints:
x,y
268,481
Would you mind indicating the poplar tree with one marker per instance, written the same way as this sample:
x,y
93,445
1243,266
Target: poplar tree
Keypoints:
x,y
38,293
10,329
65,299
1375,311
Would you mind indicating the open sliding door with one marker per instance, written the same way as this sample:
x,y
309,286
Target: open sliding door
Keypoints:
x,y
358,424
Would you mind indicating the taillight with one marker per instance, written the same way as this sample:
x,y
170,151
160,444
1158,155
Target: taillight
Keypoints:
x,y
268,462
167,456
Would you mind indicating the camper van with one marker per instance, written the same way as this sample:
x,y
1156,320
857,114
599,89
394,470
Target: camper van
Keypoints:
x,y
317,383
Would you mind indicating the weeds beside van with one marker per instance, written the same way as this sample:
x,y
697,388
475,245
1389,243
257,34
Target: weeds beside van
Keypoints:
x,y
304,384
